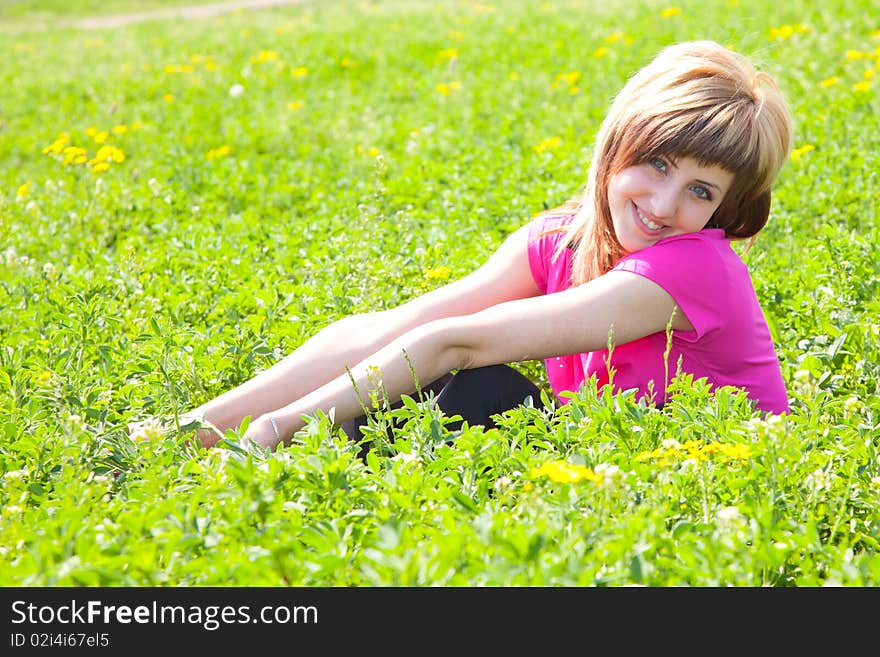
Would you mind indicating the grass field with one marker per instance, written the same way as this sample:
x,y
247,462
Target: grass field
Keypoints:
x,y
184,202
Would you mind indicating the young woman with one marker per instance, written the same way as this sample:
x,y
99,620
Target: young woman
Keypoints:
x,y
683,163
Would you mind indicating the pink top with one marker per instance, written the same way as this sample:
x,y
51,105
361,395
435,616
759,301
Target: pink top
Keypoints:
x,y
729,346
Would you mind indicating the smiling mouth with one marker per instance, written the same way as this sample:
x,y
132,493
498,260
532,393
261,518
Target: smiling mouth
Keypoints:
x,y
647,223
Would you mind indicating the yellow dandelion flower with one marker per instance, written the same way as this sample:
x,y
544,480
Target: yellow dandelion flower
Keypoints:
x,y
101,136
563,472
455,35
514,76
299,72
120,129
168,98
265,56
347,62
830,82
110,154
601,51
614,37
216,153
740,451
570,79
547,145
854,54
74,155
870,73
797,153
100,167
44,377
862,86
669,12
295,105
782,32
57,146
446,55
372,151
23,190
441,273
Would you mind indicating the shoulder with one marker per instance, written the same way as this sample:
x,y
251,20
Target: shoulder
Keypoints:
x,y
700,271
706,250
549,227
550,269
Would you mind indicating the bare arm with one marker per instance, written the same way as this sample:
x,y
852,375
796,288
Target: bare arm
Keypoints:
x,y
343,344
574,321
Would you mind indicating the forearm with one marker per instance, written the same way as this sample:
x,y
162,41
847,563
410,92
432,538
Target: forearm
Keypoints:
x,y
317,361
427,352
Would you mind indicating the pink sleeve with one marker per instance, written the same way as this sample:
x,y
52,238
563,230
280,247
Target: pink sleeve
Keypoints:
x,y
691,269
542,249
537,251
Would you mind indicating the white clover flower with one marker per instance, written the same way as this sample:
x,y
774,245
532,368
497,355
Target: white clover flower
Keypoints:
x,y
818,480
407,457
49,269
670,443
13,475
503,482
154,186
776,420
755,424
803,375
11,256
236,90
687,465
851,405
729,515
149,429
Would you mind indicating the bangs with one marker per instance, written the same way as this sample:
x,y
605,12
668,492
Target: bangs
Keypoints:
x,y
722,135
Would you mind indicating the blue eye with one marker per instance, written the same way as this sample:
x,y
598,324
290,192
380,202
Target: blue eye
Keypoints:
x,y
658,164
702,192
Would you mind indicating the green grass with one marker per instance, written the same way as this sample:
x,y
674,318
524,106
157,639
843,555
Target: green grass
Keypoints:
x,y
237,226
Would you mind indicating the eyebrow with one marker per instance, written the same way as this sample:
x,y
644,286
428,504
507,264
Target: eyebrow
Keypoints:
x,y
708,184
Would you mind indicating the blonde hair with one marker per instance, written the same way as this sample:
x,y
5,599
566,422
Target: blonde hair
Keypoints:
x,y
696,99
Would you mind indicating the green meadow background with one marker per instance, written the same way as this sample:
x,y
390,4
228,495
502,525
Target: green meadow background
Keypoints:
x,y
182,202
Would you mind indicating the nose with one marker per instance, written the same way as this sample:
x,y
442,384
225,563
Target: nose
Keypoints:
x,y
664,200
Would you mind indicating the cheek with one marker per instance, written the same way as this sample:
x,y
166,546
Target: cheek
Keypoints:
x,y
617,187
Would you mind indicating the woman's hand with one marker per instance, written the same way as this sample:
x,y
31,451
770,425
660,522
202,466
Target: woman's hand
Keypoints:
x,y
263,431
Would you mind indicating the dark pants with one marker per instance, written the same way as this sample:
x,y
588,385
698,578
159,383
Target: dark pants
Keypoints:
x,y
476,395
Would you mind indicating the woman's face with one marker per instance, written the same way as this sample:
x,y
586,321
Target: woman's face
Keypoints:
x,y
660,198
